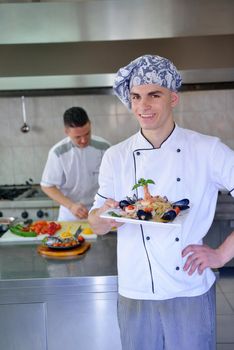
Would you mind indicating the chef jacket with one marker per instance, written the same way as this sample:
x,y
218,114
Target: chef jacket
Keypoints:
x,y
187,165
74,171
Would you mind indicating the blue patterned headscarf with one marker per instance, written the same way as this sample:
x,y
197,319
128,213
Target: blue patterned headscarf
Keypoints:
x,y
147,69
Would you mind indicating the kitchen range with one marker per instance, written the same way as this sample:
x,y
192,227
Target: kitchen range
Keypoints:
x,y
27,202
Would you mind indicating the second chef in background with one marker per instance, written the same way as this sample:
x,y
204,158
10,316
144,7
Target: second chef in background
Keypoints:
x,y
70,176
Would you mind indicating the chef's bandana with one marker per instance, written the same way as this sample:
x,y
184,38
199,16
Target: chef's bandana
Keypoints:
x,y
143,70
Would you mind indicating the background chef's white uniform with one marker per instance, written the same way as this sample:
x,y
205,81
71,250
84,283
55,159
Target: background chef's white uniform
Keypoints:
x,y
187,165
74,171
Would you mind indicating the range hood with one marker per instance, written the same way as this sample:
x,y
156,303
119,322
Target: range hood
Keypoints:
x,y
81,44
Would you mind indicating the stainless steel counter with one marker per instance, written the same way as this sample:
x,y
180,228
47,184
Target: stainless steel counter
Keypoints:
x,y
21,261
47,303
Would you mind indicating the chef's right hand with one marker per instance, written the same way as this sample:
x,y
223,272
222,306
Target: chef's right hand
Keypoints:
x,y
79,210
102,226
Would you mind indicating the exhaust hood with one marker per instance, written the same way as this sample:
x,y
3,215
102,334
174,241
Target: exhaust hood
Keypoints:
x,y
52,45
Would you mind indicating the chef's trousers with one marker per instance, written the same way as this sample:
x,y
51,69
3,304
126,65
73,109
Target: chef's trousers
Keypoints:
x,y
174,324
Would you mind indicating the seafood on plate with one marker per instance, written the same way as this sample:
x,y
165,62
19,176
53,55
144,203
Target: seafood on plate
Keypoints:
x,y
65,240
153,208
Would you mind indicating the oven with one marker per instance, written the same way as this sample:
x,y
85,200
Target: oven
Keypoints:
x,y
27,202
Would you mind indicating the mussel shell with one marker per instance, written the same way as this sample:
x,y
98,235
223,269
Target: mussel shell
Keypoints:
x,y
143,215
132,200
169,215
124,203
182,207
182,204
51,240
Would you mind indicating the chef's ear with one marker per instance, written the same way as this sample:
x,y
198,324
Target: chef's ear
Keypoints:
x,y
174,99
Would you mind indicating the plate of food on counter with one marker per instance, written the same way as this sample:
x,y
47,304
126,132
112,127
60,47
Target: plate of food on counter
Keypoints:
x,y
65,240
151,210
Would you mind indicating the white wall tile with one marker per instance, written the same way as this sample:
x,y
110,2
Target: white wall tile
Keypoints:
x,y
40,154
5,125
196,101
7,166
24,155
230,101
23,164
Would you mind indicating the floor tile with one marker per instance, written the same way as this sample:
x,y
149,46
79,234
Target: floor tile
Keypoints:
x,y
225,346
226,285
230,298
218,289
223,306
225,329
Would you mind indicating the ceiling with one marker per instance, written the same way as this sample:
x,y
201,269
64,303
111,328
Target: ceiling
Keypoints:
x,y
57,44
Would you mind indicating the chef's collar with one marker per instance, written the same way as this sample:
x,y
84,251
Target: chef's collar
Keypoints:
x,y
146,144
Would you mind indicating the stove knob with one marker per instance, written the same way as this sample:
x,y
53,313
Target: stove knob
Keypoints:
x,y
24,214
1,214
40,214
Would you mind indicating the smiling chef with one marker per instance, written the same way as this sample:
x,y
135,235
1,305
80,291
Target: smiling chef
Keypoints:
x,y
160,305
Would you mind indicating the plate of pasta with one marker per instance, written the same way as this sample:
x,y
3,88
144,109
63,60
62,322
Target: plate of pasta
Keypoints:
x,y
152,210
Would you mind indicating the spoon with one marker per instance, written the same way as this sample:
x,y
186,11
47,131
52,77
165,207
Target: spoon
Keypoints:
x,y
25,128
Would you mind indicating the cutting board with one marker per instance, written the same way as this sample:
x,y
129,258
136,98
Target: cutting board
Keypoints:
x,y
61,254
72,226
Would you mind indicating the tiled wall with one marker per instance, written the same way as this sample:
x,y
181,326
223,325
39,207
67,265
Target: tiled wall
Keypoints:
x,y
23,155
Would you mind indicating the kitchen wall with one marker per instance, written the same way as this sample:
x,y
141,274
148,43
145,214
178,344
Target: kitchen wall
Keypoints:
x,y
23,155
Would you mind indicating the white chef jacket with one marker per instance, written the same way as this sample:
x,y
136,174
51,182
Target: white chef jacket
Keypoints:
x,y
187,165
74,171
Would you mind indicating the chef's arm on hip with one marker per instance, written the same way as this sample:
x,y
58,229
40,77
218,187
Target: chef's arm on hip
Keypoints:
x,y
77,209
102,226
202,256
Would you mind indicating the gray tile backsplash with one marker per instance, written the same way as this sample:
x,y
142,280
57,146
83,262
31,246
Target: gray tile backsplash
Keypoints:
x,y
23,155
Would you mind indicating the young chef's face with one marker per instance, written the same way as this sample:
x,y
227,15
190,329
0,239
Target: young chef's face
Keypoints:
x,y
80,136
152,105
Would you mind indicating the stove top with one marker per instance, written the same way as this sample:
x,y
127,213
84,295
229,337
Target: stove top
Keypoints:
x,y
27,202
21,192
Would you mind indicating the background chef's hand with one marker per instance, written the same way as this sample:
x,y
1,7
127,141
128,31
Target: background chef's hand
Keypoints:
x,y
102,226
201,257
79,210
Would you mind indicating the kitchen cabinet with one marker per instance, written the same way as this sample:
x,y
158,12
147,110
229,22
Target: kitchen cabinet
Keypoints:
x,y
23,326
48,316
48,304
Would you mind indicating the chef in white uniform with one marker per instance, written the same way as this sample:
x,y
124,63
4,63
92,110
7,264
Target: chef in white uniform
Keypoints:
x,y
71,172
160,305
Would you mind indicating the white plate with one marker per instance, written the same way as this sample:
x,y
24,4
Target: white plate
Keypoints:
x,y
175,223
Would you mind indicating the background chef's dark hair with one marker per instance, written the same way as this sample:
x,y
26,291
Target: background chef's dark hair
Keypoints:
x,y
75,117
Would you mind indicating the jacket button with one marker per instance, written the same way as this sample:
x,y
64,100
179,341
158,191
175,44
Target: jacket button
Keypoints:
x,y
178,150
177,239
178,179
148,238
177,268
138,153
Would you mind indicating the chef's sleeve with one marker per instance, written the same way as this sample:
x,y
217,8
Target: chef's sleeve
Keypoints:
x,y
53,174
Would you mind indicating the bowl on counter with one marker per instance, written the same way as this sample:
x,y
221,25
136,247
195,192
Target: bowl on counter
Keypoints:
x,y
5,223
